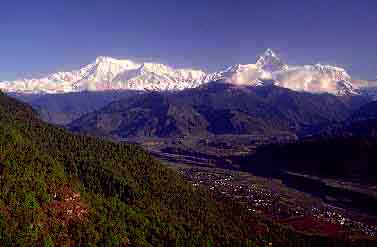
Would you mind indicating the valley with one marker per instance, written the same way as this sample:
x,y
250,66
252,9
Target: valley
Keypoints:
x,y
277,201
307,203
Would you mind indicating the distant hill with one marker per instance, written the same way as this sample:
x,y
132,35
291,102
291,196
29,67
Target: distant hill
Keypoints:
x,y
339,160
346,150
61,109
217,109
363,122
367,111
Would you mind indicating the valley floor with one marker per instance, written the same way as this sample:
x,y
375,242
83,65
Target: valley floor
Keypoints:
x,y
280,203
290,200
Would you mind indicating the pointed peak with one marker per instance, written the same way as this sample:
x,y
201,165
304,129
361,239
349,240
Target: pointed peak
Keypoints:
x,y
109,61
269,53
270,62
106,59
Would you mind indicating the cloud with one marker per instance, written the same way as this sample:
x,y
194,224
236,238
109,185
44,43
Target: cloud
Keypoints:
x,y
309,78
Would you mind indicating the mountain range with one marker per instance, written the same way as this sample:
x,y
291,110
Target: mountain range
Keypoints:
x,y
61,109
107,73
217,109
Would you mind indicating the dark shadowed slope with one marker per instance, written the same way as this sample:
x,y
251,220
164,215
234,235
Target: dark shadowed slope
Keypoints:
x,y
348,158
61,109
363,122
217,109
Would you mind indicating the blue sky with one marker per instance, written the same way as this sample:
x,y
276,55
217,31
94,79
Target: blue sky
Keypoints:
x,y
44,36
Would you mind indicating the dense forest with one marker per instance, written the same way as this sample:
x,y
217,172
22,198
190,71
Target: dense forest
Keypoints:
x,y
58,189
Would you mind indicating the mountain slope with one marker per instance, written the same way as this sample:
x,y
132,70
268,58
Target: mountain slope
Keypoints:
x,y
363,122
61,109
368,111
348,158
216,109
67,190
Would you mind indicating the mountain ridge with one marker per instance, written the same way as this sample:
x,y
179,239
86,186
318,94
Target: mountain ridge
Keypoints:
x,y
216,109
107,73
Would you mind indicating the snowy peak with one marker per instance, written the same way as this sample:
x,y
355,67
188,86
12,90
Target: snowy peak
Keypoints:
x,y
251,74
107,73
346,88
335,73
159,77
106,69
316,78
239,74
103,59
269,53
270,62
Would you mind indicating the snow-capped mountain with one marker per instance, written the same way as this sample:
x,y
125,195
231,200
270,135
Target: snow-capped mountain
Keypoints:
x,y
248,74
159,77
270,62
310,78
107,73
316,79
251,74
110,74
